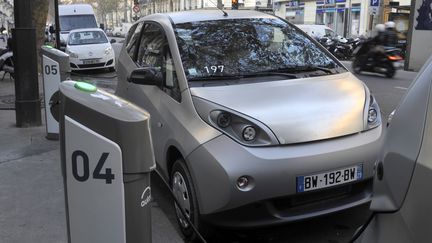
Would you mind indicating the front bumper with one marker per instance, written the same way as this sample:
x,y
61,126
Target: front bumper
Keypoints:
x,y
99,62
216,165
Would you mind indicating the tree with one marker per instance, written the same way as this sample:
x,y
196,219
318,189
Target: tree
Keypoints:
x,y
39,16
104,7
424,21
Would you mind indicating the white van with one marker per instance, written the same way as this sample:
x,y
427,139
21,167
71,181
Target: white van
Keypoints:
x,y
316,31
75,16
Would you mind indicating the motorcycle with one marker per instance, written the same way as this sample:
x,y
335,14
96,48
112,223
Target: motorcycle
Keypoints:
x,y
354,42
341,49
385,62
6,59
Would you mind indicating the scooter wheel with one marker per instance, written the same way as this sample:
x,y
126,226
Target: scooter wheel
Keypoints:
x,y
356,65
391,71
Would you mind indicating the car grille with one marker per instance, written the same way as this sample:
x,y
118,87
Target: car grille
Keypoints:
x,y
91,65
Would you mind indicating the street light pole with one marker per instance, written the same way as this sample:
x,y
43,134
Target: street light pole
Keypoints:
x,y
27,101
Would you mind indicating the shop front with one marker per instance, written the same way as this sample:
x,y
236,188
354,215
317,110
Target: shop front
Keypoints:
x,y
295,12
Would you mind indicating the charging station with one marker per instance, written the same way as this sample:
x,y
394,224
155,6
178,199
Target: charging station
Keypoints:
x,y
55,68
107,156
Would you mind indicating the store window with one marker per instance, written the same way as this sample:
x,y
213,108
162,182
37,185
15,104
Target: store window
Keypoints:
x,y
329,19
355,19
295,12
340,19
319,17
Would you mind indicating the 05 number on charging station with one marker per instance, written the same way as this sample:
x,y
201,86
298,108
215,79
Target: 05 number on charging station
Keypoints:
x,y
108,176
51,69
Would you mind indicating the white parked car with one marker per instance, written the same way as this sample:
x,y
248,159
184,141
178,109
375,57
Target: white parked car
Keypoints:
x,y
121,31
90,49
319,31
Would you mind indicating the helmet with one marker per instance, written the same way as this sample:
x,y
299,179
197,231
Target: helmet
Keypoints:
x,y
380,28
390,24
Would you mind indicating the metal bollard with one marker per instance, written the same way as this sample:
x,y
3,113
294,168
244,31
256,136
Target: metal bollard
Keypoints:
x,y
55,68
107,156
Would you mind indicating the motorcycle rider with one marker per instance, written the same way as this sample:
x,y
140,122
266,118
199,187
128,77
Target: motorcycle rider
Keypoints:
x,y
374,47
390,35
380,36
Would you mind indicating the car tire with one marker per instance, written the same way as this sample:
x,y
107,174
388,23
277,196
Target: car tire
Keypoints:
x,y
183,188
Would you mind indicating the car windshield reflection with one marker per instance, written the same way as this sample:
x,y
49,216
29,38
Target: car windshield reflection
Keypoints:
x,y
243,47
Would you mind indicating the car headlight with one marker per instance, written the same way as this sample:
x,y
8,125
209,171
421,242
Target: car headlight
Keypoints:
x,y
373,114
241,128
72,54
108,51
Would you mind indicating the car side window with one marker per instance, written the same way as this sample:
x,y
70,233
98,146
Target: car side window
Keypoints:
x,y
133,39
154,52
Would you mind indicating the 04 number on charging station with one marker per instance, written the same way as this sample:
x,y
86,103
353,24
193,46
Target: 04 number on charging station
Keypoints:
x,y
108,176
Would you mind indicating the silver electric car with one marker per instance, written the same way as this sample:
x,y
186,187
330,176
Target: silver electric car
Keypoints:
x,y
402,202
253,123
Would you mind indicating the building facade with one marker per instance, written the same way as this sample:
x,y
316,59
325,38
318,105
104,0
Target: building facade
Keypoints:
x,y
349,18
345,17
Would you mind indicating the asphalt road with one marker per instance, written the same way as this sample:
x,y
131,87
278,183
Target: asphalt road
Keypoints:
x,y
330,229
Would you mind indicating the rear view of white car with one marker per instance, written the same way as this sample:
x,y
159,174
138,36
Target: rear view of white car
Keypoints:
x,y
90,49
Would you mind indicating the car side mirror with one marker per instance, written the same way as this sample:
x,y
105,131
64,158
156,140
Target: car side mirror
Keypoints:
x,y
113,41
51,29
102,26
146,76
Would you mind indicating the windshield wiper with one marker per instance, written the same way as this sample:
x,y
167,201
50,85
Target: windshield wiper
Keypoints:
x,y
245,75
204,78
317,68
270,73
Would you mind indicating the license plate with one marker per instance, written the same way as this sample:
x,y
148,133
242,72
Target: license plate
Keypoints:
x,y
90,61
330,178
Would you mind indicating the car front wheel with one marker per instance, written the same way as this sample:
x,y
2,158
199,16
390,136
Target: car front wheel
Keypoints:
x,y
184,191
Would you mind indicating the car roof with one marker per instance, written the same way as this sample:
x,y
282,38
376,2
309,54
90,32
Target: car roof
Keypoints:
x,y
85,29
214,14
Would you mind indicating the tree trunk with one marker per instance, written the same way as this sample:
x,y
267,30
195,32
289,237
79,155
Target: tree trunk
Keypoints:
x,y
219,4
125,8
40,13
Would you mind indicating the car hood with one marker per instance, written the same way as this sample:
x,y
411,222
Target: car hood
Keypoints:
x,y
89,51
297,110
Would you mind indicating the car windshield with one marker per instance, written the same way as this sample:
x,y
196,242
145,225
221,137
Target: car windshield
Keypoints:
x,y
71,22
243,47
87,38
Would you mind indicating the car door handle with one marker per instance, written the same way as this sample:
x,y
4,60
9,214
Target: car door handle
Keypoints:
x,y
160,124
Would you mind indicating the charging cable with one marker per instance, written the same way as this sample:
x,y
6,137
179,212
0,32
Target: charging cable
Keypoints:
x,y
362,228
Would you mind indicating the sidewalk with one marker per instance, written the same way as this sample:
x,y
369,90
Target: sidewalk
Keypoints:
x,y
31,185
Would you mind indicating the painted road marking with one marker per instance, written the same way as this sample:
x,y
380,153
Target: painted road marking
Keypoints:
x,y
399,87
